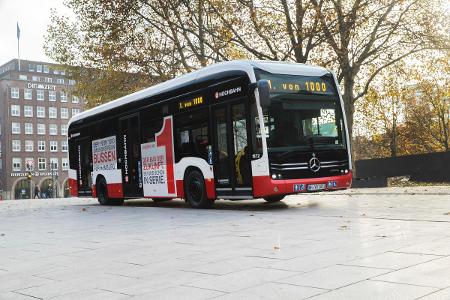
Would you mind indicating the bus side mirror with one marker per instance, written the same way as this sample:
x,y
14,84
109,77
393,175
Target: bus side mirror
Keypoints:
x,y
264,92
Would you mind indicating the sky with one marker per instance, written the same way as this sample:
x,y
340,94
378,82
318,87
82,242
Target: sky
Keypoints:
x,y
33,17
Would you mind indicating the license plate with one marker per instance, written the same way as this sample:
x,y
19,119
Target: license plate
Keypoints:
x,y
316,187
299,187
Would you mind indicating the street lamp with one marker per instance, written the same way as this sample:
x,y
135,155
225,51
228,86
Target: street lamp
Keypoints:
x,y
29,177
53,169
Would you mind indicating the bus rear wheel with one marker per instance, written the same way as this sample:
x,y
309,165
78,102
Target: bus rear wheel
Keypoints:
x,y
272,199
102,194
195,190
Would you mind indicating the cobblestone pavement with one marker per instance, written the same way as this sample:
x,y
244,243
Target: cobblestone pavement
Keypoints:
x,y
360,244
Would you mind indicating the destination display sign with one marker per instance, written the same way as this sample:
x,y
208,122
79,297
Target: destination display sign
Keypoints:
x,y
191,102
291,84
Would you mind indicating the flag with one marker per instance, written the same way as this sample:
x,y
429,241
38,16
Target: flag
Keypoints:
x,y
18,31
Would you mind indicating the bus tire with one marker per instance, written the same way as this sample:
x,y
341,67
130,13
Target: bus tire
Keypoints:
x,y
272,199
195,190
102,194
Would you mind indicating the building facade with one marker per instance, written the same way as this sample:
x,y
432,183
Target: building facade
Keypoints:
x,y
36,103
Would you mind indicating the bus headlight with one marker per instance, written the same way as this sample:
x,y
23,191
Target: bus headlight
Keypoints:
x,y
274,176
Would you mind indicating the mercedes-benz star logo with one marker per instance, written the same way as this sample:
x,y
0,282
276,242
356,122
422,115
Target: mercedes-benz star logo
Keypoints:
x,y
314,163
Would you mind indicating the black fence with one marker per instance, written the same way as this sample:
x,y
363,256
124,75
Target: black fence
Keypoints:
x,y
432,167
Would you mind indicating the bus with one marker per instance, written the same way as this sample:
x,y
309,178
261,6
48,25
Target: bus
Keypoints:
x,y
232,130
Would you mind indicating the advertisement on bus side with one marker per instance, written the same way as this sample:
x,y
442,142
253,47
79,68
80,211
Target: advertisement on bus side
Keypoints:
x,y
154,172
104,154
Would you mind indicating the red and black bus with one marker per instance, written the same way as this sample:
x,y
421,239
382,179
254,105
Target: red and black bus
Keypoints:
x,y
232,130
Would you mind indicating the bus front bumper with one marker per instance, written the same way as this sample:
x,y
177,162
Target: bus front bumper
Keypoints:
x,y
265,186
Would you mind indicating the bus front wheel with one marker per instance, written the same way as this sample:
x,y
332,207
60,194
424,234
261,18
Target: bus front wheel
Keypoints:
x,y
195,190
272,199
102,194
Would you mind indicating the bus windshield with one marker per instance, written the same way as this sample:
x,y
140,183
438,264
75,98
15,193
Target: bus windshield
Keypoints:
x,y
305,114
303,123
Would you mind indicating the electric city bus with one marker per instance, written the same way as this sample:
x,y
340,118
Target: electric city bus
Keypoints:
x,y
232,130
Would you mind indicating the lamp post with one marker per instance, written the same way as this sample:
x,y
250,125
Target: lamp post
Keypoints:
x,y
53,182
29,177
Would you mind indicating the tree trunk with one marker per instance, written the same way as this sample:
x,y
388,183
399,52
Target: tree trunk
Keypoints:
x,y
349,107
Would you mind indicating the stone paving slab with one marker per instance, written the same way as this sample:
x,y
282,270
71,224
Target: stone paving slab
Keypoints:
x,y
391,243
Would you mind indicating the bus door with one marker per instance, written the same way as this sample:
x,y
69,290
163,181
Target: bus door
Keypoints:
x,y
232,163
84,166
130,156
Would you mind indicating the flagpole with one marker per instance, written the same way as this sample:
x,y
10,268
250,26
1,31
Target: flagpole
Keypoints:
x,y
18,44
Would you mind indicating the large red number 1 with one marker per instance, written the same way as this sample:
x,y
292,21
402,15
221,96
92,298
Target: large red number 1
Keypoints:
x,y
164,138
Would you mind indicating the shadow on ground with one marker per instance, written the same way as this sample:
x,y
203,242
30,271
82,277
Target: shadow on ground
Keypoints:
x,y
244,205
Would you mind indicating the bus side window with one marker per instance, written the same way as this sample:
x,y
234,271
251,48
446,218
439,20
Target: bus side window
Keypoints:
x,y
149,129
191,135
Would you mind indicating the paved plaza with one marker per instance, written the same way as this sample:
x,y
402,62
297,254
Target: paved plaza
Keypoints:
x,y
360,244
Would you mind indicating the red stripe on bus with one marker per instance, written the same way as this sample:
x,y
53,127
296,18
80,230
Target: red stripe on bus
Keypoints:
x,y
180,189
210,188
73,186
265,186
115,190
165,139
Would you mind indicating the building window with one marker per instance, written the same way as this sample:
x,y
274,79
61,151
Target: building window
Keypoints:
x,y
35,78
28,94
63,129
15,128
51,96
64,146
60,80
75,99
28,128
48,79
53,164
23,77
63,97
46,69
56,72
64,113
65,163
75,111
15,110
15,93
17,164
42,163
71,82
41,129
29,164
40,95
53,146
28,111
40,112
39,68
41,146
29,145
52,129
52,112
31,68
16,146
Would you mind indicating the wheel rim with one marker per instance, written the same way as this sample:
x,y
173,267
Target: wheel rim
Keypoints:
x,y
195,190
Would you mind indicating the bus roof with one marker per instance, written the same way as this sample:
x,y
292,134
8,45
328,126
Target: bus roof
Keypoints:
x,y
247,66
